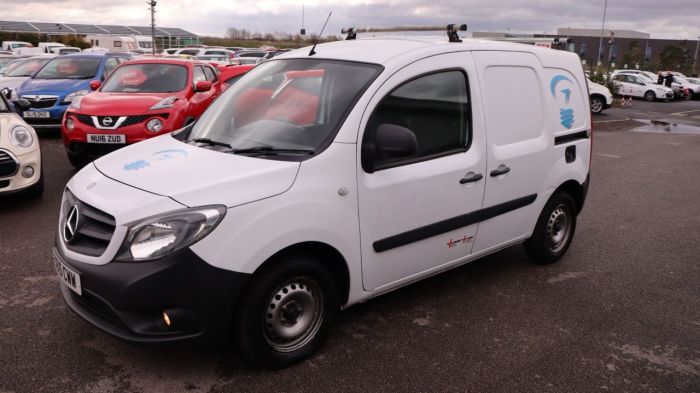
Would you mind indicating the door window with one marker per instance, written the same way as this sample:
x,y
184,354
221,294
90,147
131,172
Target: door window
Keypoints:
x,y
434,107
210,75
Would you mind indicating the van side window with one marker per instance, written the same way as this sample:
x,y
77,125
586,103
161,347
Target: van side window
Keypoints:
x,y
435,107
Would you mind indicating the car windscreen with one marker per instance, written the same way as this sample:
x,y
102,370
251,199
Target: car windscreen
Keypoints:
x,y
284,107
27,67
69,68
147,78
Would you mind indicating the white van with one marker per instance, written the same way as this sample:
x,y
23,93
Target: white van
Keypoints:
x,y
50,47
320,180
13,45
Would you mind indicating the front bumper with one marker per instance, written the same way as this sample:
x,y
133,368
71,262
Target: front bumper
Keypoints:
x,y
127,299
54,121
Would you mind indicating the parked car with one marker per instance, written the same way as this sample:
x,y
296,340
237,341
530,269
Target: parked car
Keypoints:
x,y
60,81
600,96
20,155
7,59
315,183
48,47
688,88
231,73
13,45
141,99
215,60
248,57
66,50
636,86
169,51
21,71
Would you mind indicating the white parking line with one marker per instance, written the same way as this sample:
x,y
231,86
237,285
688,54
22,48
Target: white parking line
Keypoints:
x,y
608,155
685,113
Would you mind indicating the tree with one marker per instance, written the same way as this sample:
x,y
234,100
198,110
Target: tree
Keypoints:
x,y
671,58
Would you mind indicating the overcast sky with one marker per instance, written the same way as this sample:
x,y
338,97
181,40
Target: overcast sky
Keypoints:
x,y
663,19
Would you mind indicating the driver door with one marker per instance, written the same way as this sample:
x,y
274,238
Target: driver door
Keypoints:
x,y
417,212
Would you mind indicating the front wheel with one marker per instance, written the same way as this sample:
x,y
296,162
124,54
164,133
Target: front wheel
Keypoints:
x,y
650,96
286,313
597,104
554,230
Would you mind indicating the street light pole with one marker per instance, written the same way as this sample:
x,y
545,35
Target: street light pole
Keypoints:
x,y
602,28
153,3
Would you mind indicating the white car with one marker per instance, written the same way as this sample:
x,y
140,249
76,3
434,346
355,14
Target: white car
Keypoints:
x,y
20,154
601,97
638,86
20,72
320,181
689,89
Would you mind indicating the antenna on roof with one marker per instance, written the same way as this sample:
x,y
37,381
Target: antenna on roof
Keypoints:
x,y
313,51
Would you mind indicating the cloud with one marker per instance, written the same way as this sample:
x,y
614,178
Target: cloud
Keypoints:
x,y
667,19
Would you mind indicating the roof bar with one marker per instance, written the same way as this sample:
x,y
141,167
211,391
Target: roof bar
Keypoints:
x,y
452,30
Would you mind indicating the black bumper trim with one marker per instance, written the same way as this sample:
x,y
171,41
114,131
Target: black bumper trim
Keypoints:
x,y
127,299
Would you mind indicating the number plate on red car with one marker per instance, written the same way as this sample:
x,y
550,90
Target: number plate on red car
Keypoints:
x,y
104,138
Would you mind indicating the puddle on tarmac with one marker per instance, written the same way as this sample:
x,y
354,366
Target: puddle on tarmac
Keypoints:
x,y
664,126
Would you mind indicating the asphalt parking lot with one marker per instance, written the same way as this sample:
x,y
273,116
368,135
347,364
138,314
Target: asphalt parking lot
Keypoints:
x,y
620,312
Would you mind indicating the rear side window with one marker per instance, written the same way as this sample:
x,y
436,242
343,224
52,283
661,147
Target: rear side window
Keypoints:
x,y
435,107
191,52
209,74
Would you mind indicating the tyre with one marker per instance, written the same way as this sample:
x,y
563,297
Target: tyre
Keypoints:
x,y
286,313
650,96
554,230
78,160
36,190
597,104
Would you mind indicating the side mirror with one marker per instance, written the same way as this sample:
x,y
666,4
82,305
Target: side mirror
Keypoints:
x,y
7,93
94,85
22,104
202,86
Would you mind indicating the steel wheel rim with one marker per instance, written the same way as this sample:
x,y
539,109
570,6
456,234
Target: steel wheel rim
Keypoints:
x,y
293,314
558,228
597,105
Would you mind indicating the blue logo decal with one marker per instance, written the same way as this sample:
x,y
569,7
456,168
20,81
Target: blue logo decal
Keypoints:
x,y
162,155
168,155
566,115
136,165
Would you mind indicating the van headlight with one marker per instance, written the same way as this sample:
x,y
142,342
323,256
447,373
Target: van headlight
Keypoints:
x,y
21,136
158,236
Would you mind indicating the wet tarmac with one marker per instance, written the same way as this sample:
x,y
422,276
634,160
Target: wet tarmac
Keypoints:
x,y
665,126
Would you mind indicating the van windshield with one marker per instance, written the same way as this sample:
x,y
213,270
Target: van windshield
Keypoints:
x,y
284,108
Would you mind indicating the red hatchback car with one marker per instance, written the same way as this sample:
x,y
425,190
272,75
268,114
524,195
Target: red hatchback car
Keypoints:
x,y
140,99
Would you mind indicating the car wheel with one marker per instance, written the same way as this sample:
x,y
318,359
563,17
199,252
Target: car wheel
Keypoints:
x,y
597,104
554,230
650,96
689,95
286,313
36,190
78,160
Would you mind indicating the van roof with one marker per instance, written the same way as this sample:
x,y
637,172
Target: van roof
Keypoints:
x,y
385,50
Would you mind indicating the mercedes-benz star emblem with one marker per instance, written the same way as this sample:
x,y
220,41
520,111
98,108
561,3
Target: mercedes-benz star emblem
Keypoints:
x,y
107,121
70,228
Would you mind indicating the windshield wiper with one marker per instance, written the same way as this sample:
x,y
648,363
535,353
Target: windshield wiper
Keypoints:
x,y
210,142
272,150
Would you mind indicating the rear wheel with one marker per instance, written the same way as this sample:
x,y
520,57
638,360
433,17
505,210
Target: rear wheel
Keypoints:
x,y
554,230
286,313
597,104
650,96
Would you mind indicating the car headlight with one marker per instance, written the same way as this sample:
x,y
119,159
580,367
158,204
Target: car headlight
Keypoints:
x,y
154,125
70,97
158,236
75,102
70,123
164,103
21,136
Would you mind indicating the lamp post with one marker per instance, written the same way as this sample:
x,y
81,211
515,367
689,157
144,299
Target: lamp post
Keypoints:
x,y
611,42
600,44
153,3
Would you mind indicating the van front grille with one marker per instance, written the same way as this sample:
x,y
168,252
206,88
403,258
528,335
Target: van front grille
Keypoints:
x,y
92,230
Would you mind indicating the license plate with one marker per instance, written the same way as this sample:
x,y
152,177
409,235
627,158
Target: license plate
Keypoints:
x,y
37,114
68,276
105,138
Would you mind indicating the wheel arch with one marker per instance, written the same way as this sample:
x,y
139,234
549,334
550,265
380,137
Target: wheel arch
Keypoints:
x,y
321,252
576,190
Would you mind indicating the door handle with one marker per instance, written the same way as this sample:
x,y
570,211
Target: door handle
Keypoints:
x,y
501,170
470,178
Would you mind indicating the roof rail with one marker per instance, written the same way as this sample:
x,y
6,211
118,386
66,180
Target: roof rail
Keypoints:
x,y
452,30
